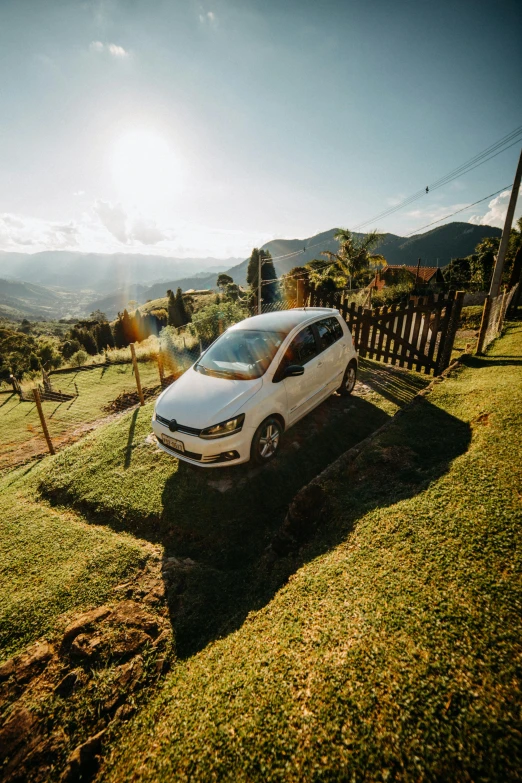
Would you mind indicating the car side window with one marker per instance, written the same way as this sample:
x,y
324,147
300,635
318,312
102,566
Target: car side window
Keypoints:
x,y
329,330
301,349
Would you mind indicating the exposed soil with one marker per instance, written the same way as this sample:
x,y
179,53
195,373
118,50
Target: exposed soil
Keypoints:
x,y
60,698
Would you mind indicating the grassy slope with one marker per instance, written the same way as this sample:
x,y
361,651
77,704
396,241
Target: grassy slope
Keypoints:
x,y
120,479
394,652
19,422
52,562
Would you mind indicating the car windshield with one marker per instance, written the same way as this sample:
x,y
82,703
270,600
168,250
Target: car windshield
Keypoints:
x,y
241,354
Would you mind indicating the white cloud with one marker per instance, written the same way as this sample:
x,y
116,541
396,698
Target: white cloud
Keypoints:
x,y
207,18
497,209
127,229
114,218
107,228
115,50
21,232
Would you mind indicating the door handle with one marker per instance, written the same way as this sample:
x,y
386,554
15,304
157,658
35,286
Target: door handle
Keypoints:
x,y
319,364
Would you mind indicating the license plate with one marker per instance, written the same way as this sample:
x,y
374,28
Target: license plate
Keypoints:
x,y
173,443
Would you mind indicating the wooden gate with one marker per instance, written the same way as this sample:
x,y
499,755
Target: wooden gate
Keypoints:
x,y
418,335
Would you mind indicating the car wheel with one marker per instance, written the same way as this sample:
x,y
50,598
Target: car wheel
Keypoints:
x,y
266,441
349,378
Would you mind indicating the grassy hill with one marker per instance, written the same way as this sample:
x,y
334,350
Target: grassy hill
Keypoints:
x,y
393,653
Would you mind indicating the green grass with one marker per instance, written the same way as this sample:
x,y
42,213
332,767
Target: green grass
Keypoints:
x,y
119,478
20,431
52,562
393,653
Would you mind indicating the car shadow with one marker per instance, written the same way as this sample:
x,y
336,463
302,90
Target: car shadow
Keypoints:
x,y
220,568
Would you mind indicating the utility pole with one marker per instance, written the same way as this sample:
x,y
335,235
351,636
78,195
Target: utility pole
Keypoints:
x,y
259,283
501,257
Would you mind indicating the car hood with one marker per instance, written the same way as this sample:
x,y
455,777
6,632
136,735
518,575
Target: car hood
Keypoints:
x,y
200,401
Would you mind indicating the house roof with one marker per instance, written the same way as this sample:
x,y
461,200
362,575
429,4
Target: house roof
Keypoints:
x,y
425,272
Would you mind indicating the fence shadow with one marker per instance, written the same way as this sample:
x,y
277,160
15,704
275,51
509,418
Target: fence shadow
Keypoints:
x,y
395,384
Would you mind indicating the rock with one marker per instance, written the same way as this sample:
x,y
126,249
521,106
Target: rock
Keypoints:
x,y
129,674
83,622
126,680
161,642
72,681
124,712
25,666
129,642
132,614
156,594
15,731
160,666
86,646
84,761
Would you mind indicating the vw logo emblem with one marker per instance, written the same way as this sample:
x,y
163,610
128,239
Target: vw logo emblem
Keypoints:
x,y
173,425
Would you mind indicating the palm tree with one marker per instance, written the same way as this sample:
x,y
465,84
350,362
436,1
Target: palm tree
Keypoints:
x,y
354,256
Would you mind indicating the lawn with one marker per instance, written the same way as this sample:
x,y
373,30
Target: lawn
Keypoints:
x,y
20,432
52,561
394,650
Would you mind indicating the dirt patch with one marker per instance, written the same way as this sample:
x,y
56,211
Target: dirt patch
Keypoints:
x,y
127,400
59,699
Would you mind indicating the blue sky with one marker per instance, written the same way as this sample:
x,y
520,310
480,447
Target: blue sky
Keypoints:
x,y
204,128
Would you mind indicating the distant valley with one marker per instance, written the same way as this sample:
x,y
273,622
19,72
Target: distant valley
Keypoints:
x,y
60,283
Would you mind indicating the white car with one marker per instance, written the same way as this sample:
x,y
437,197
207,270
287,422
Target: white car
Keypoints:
x,y
253,383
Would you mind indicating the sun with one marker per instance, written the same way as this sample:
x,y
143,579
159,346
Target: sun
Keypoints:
x,y
146,172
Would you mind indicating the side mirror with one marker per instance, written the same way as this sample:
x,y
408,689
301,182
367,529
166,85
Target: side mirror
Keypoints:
x,y
293,370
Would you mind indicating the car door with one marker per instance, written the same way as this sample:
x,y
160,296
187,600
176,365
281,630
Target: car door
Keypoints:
x,y
301,390
331,359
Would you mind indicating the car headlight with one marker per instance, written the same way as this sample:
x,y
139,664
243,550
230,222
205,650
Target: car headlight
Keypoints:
x,y
223,429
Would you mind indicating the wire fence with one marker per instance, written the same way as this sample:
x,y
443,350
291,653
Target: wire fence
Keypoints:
x,y
493,317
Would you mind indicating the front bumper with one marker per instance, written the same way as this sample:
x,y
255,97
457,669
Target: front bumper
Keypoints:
x,y
207,453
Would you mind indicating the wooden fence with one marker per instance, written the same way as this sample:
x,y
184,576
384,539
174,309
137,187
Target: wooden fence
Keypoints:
x,y
418,335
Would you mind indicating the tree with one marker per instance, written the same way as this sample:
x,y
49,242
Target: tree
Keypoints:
x,y
184,314
103,336
232,292
97,315
223,281
270,292
354,259
172,309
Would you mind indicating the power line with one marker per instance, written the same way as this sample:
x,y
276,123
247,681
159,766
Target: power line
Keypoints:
x,y
508,187
478,160
329,263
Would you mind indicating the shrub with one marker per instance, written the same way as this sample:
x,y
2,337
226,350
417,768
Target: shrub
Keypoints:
x,y
211,320
79,358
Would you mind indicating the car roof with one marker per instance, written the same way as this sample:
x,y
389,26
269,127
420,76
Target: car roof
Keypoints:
x,y
283,321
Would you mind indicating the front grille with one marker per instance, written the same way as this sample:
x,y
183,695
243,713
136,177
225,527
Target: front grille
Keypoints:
x,y
179,427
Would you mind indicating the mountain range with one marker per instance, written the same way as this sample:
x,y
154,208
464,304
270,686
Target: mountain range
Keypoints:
x,y
76,278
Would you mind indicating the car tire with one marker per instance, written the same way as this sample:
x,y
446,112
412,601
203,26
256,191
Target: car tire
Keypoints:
x,y
266,441
349,379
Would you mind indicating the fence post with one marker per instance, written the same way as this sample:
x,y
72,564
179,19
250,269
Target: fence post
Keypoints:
x,y
137,374
38,402
449,337
300,293
160,367
483,325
